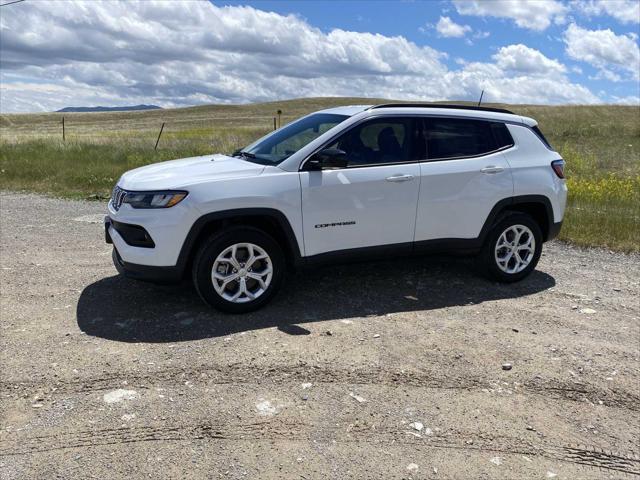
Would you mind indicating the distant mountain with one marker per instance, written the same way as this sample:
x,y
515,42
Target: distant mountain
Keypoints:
x,y
109,109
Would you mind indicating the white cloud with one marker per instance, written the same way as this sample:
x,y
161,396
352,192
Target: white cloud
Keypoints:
x,y
448,28
500,86
480,35
625,11
58,54
520,58
605,74
630,100
610,53
532,14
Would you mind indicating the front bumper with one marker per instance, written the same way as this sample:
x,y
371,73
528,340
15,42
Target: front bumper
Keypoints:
x,y
163,275
149,273
152,237
133,235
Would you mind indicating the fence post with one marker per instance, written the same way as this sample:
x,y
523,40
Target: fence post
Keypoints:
x,y
279,114
63,135
159,134
274,123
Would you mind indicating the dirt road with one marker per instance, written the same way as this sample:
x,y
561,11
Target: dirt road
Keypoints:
x,y
387,370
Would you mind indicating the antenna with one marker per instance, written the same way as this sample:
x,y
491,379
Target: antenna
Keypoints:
x,y
481,94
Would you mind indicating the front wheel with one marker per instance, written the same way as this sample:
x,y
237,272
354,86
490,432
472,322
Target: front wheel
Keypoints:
x,y
238,270
512,248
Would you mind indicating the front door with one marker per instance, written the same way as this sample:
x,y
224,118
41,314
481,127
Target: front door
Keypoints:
x,y
371,202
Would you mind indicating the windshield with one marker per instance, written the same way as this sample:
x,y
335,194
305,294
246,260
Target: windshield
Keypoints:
x,y
288,140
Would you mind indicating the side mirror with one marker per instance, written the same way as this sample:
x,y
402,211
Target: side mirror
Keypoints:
x,y
328,159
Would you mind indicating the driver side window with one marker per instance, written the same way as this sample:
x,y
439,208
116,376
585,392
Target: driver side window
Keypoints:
x,y
380,141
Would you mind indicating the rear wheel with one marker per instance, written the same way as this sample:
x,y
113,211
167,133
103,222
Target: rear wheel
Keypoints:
x,y
238,270
512,248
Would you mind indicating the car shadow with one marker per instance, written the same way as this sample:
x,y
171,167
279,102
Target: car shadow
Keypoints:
x,y
120,309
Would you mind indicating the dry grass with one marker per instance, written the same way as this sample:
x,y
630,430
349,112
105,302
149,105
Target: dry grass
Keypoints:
x,y
600,143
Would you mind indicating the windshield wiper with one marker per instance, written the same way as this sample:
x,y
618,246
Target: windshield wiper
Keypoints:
x,y
251,157
242,153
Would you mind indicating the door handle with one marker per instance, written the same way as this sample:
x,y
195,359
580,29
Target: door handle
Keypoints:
x,y
492,169
399,178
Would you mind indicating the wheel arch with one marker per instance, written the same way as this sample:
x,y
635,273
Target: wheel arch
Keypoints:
x,y
269,220
537,206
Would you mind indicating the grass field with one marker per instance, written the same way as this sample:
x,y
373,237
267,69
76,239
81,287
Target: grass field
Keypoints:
x,y
601,145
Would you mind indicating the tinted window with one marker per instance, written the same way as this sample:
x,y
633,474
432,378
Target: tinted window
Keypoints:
x,y
388,140
454,137
542,137
501,134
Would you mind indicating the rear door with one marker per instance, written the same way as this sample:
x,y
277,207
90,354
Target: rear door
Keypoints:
x,y
465,175
371,202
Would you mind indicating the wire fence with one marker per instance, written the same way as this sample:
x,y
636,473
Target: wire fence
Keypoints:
x,y
153,131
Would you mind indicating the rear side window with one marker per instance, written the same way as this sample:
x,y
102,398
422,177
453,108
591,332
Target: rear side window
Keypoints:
x,y
501,135
542,137
458,137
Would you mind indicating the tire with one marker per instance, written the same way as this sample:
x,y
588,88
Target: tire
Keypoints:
x,y
511,271
218,251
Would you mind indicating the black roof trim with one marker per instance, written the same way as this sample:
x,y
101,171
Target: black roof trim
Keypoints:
x,y
435,105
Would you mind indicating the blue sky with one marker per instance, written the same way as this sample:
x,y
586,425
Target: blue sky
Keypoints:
x,y
57,54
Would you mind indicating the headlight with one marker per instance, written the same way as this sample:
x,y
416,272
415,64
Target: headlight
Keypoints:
x,y
164,199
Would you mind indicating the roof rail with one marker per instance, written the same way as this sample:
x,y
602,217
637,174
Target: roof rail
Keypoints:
x,y
443,105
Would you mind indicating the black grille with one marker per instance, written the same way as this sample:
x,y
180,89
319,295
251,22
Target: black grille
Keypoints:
x,y
117,197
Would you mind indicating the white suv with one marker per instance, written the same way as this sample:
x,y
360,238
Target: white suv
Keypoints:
x,y
344,183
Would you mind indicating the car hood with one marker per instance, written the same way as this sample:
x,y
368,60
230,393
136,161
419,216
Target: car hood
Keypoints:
x,y
187,171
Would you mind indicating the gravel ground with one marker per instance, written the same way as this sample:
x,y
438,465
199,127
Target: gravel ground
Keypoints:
x,y
386,370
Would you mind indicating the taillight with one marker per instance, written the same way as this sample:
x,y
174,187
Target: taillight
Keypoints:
x,y
558,167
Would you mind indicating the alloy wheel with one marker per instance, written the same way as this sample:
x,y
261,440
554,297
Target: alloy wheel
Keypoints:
x,y
242,272
515,249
